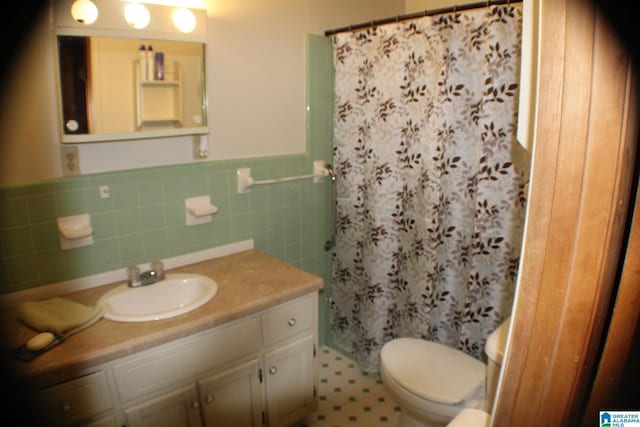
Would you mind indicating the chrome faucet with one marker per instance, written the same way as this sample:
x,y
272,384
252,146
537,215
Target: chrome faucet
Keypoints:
x,y
135,278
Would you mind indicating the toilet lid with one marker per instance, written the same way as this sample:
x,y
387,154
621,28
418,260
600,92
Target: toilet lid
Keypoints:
x,y
431,370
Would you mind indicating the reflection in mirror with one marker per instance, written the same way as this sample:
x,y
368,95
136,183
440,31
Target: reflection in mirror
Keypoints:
x,y
113,85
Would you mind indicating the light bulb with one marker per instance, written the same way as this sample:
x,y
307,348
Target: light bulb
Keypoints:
x,y
84,11
184,20
137,15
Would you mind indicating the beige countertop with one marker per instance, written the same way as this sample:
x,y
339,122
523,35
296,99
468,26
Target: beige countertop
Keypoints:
x,y
248,282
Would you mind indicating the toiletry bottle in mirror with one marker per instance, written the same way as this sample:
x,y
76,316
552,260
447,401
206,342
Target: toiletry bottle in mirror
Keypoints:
x,y
159,66
142,62
150,62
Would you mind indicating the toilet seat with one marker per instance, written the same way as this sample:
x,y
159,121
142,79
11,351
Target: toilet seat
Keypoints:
x,y
432,371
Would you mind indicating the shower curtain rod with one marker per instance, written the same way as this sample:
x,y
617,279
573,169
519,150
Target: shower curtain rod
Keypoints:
x,y
418,15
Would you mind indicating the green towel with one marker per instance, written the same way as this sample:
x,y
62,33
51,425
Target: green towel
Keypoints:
x,y
58,315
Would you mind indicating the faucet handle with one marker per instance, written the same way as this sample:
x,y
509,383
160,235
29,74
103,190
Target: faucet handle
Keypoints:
x,y
133,275
158,268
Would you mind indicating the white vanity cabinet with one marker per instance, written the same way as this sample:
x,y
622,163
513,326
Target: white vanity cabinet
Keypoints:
x,y
260,370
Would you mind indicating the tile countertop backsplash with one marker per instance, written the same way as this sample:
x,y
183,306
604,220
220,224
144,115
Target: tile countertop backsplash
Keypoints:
x,y
248,282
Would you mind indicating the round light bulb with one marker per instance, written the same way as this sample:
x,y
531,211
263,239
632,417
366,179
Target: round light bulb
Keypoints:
x,y
137,15
84,11
184,20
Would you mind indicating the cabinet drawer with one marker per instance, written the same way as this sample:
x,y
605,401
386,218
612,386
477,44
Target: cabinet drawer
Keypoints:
x,y
288,320
77,399
183,359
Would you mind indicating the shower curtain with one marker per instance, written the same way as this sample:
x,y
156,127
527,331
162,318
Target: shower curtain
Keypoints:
x,y
430,181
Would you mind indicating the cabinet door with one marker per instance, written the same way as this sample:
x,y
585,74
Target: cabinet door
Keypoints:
x,y
290,382
233,397
179,408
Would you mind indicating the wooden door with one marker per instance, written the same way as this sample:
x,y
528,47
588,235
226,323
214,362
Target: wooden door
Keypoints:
x,y
575,239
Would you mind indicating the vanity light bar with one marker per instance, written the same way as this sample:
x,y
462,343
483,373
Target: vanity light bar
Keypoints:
x,y
168,20
136,14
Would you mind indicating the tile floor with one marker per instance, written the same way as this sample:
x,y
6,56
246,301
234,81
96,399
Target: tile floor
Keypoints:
x,y
349,398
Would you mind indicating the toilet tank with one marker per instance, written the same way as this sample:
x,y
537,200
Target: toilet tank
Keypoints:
x,y
494,349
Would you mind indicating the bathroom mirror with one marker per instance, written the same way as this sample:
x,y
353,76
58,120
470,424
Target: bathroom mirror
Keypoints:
x,y
115,88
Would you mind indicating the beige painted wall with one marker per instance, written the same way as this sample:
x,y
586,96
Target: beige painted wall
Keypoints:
x,y
29,114
256,90
412,6
256,75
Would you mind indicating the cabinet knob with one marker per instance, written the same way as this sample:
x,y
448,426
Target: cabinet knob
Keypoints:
x,y
208,399
66,406
292,322
273,370
194,405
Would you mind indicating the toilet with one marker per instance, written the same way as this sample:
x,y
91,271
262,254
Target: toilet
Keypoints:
x,y
433,383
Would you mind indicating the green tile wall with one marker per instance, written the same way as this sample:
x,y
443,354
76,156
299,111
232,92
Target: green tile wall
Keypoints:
x,y
143,219
320,96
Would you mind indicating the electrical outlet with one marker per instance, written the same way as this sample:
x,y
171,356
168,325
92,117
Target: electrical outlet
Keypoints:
x,y
70,160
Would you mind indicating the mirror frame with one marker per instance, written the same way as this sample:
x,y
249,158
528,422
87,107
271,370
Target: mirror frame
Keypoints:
x,y
111,23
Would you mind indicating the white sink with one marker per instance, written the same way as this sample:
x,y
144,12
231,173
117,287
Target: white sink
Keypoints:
x,y
175,295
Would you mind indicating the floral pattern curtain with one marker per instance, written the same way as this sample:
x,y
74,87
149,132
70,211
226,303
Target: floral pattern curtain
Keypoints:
x,y
430,181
